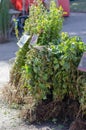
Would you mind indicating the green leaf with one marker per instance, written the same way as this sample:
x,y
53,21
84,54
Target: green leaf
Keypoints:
x,y
45,77
56,67
42,86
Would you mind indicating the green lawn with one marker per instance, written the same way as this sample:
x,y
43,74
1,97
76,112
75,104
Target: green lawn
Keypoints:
x,y
78,5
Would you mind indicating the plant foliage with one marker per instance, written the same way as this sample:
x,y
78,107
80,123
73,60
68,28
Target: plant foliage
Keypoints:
x,y
51,66
4,18
47,24
55,67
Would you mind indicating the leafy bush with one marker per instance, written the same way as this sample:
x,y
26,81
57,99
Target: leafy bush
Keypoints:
x,y
55,67
38,21
47,24
50,68
16,71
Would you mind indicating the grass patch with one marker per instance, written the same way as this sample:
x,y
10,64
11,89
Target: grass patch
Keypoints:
x,y
78,6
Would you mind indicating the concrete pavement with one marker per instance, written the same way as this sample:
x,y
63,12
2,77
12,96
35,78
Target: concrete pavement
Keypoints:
x,y
75,24
7,51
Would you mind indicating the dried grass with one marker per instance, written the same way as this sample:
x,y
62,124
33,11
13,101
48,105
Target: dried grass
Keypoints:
x,y
33,111
17,95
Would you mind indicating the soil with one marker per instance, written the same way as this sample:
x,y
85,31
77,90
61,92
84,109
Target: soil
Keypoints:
x,y
78,124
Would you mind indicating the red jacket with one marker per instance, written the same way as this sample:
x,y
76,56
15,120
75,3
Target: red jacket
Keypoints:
x,y
18,4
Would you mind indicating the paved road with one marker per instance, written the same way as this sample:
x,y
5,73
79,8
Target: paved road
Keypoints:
x,y
7,51
76,25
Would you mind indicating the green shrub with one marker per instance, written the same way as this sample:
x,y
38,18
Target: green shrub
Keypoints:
x,y
47,25
16,70
38,21
51,66
55,67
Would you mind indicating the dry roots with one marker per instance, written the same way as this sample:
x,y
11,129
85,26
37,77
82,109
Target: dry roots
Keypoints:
x,y
78,124
51,110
